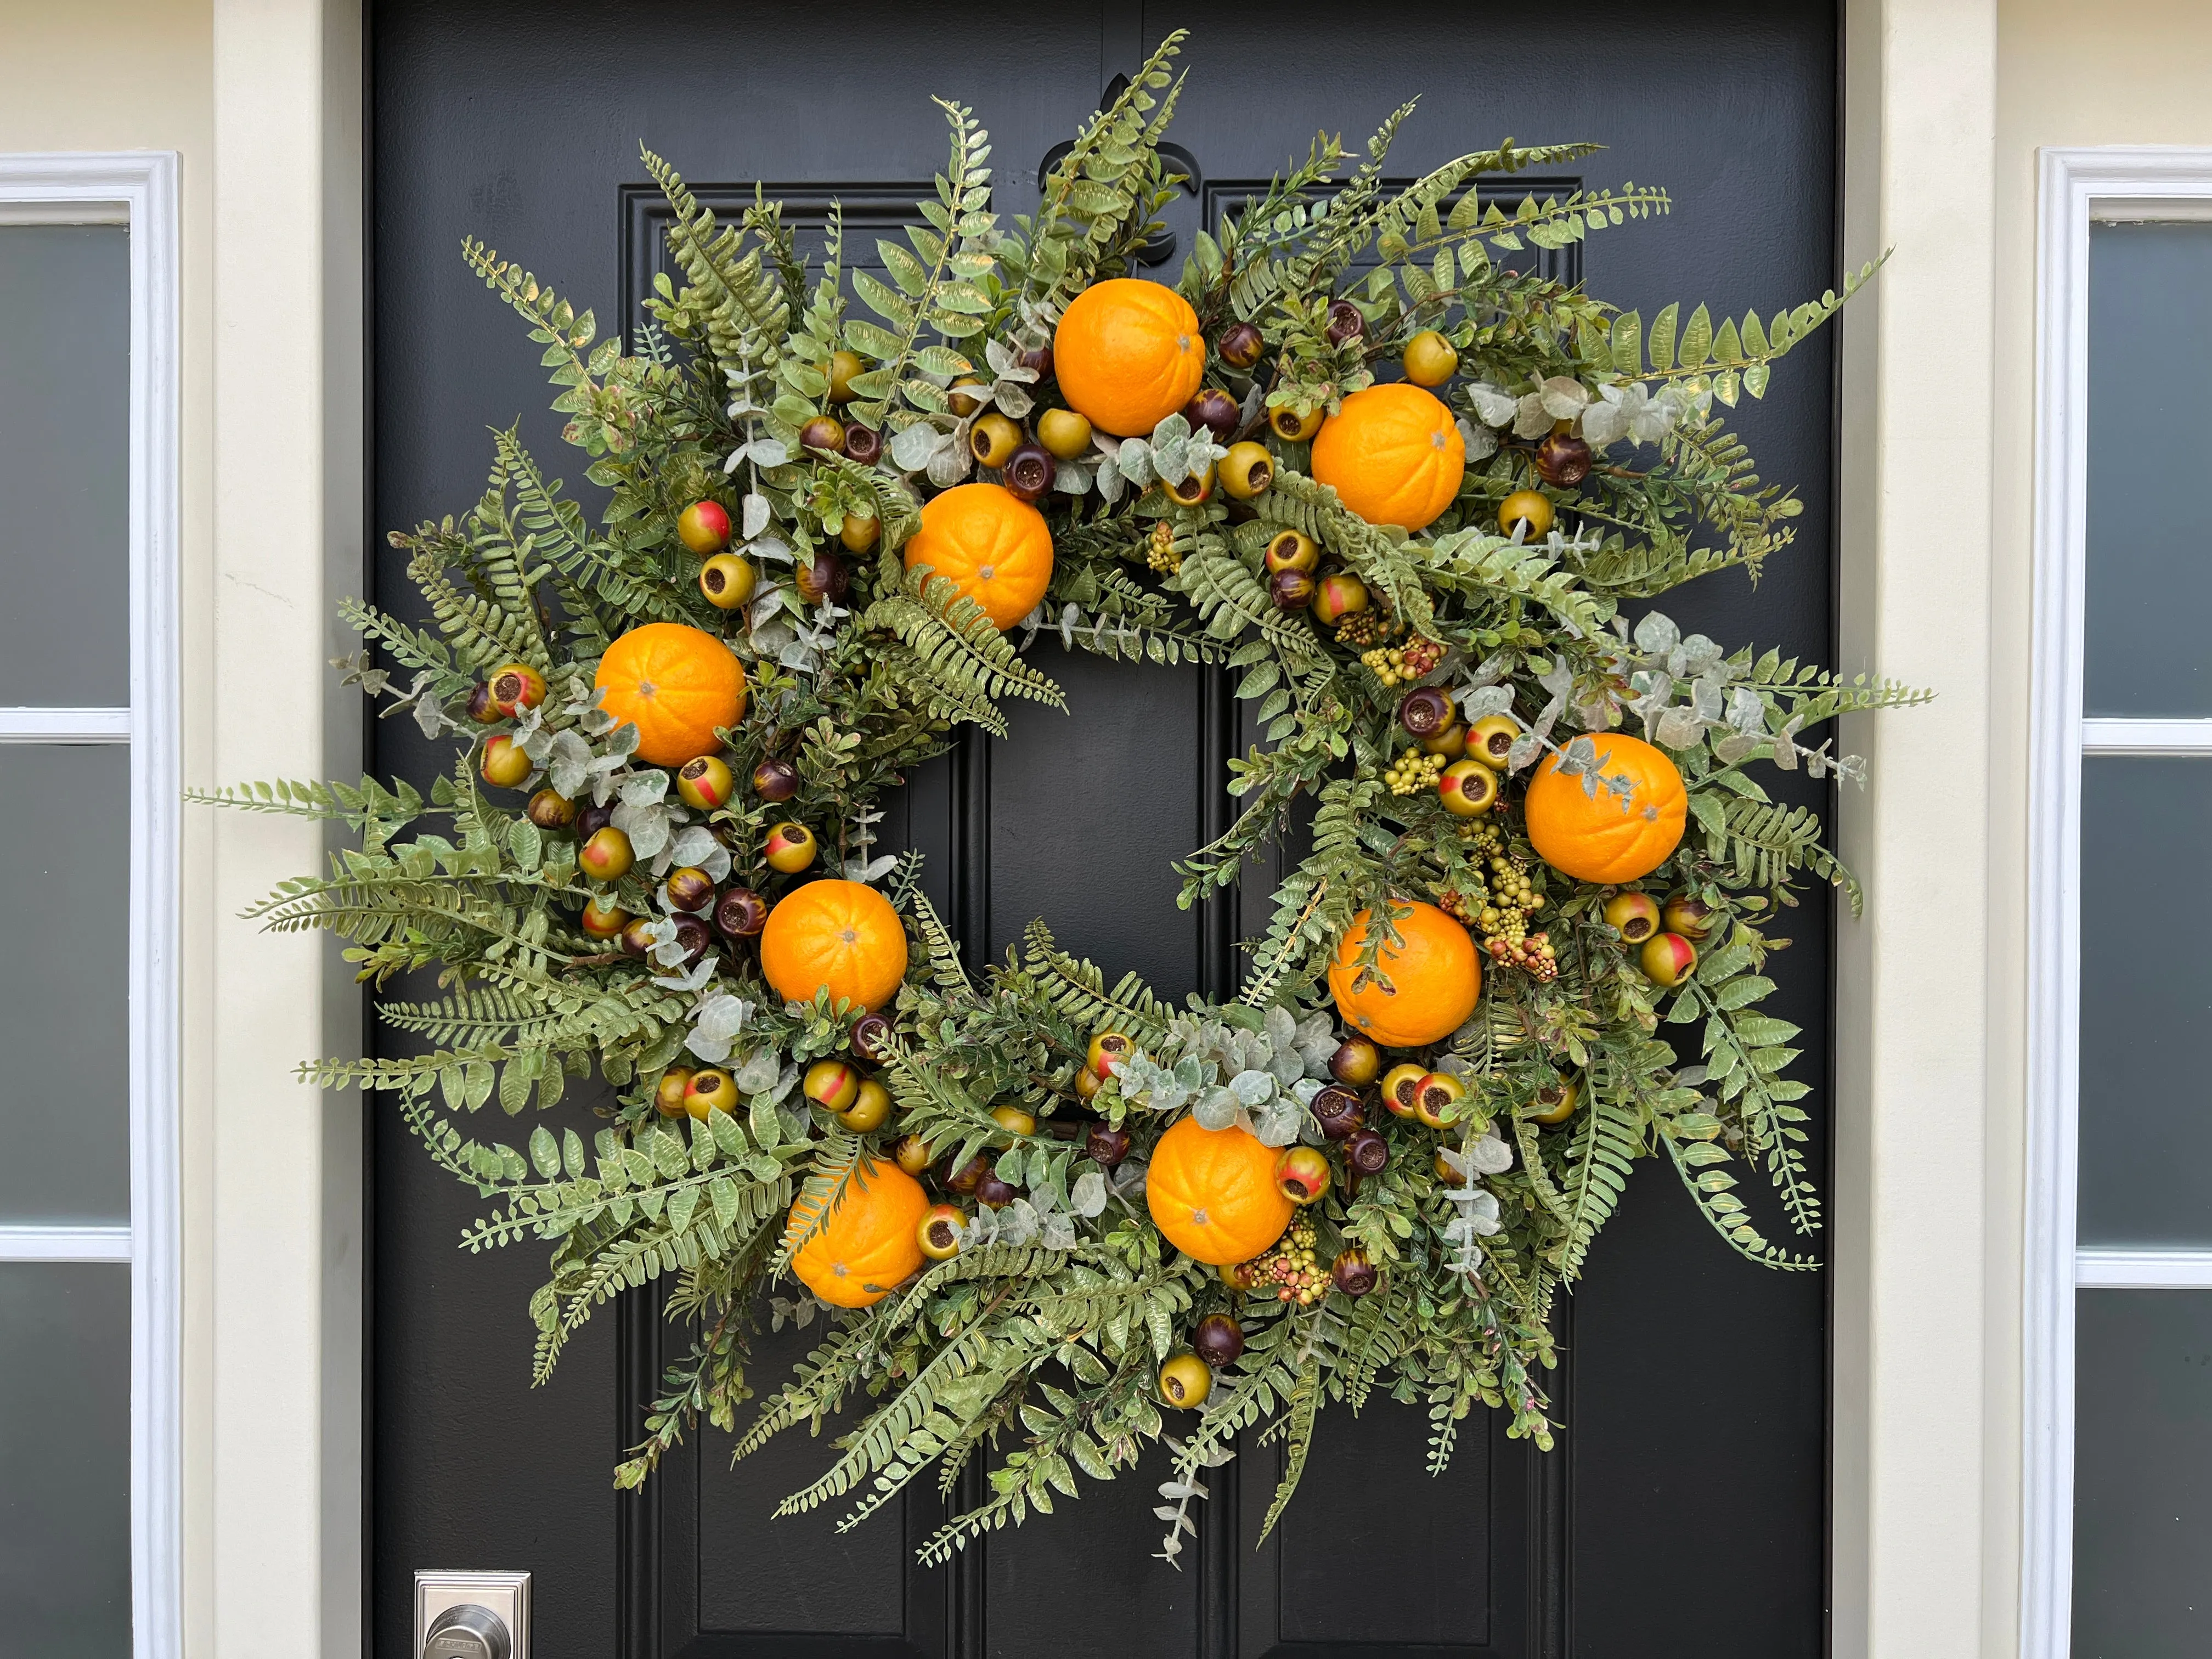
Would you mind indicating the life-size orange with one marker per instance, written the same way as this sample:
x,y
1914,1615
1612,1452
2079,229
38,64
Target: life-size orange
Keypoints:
x,y
1598,837
1435,977
842,935
1212,1193
1128,354
868,1244
1393,454
675,684
993,545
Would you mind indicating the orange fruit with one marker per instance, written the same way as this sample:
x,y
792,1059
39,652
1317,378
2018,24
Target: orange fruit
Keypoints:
x,y
1212,1193
1128,354
1393,454
1597,837
843,935
1435,977
675,684
868,1244
993,545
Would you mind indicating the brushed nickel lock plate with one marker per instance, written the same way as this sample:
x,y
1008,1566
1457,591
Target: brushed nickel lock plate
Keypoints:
x,y
471,1615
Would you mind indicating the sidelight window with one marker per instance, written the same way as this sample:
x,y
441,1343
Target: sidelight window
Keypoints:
x,y
88,768
2119,1317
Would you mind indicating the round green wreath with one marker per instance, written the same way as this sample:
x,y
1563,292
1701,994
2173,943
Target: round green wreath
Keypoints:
x,y
1431,1277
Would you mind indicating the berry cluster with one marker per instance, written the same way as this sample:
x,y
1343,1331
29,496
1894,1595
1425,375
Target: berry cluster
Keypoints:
x,y
1293,1267
1414,773
1462,906
1532,953
1401,664
1500,907
1362,629
1159,549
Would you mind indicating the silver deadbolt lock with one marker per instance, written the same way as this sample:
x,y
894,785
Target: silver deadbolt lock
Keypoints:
x,y
471,1615
468,1631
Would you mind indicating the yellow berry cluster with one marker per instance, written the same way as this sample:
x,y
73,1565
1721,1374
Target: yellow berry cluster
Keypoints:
x,y
1414,773
1159,549
1293,1268
1364,628
1402,665
1500,907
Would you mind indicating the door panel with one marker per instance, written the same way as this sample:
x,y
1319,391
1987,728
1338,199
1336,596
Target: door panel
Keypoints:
x,y
1693,1385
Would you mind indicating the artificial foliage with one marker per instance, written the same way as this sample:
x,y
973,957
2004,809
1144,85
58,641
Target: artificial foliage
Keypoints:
x,y
1038,1343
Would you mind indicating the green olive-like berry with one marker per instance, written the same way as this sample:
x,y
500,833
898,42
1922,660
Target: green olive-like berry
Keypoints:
x,y
1667,959
1246,470
1185,1380
727,580
1189,492
704,528
1064,432
1691,918
1634,916
1430,359
1466,787
504,763
1338,595
993,439
1527,509
1555,1102
604,918
607,856
706,783
1291,549
668,1093
1490,739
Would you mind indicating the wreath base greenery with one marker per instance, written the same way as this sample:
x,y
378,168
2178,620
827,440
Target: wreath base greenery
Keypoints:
x,y
1430,1278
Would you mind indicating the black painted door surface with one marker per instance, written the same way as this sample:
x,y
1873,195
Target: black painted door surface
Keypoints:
x,y
1684,1512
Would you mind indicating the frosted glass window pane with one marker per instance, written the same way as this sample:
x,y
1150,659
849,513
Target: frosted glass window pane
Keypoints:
x,y
65,1460
2142,1474
2146,1157
65,465
2150,543
64,1041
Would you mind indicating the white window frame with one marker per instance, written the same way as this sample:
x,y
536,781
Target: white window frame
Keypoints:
x,y
2079,187
138,190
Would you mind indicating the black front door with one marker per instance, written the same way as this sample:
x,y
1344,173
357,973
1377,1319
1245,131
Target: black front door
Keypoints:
x,y
1684,1512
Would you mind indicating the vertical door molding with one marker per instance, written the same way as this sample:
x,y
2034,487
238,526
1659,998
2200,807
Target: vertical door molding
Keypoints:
x,y
283,1549
2077,186
1912,1552
138,190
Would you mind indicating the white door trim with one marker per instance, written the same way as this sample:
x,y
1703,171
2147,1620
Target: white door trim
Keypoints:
x,y
138,189
2078,187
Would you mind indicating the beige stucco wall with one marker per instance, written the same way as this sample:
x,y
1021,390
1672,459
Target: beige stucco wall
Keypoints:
x,y
2070,72
120,75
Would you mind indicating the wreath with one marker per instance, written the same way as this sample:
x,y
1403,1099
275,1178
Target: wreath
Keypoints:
x,y
1043,1219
